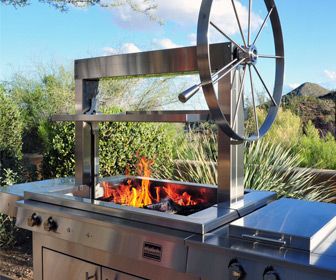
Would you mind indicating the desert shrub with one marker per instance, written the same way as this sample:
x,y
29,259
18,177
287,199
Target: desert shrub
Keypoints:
x,y
316,151
286,130
120,146
196,158
268,166
275,168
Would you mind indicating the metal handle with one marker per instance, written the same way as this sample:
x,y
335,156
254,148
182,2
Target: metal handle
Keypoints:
x,y
88,277
264,239
190,92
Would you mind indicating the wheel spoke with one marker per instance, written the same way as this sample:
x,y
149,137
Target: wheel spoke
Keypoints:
x,y
190,92
221,76
219,72
263,25
249,22
238,21
239,97
264,84
270,56
226,36
254,103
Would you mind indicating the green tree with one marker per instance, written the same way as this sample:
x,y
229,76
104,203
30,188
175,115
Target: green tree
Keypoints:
x,y
145,6
10,125
40,98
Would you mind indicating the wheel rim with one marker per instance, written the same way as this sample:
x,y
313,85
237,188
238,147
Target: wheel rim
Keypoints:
x,y
247,58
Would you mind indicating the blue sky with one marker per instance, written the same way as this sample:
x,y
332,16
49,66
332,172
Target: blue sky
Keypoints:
x,y
39,34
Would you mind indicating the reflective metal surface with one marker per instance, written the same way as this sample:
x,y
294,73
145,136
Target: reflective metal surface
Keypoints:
x,y
58,266
162,62
289,223
10,194
207,72
200,222
156,116
217,250
111,259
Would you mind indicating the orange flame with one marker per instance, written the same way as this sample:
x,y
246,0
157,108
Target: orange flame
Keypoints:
x,y
132,193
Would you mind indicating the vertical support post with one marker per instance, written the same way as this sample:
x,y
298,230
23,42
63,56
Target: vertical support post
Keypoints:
x,y
86,157
230,155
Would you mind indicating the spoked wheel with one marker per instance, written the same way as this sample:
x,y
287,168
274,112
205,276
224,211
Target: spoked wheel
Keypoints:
x,y
245,62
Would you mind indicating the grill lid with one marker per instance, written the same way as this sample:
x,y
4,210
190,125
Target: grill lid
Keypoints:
x,y
288,223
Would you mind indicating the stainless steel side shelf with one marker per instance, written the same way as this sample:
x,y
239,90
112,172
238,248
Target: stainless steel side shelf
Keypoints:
x,y
288,223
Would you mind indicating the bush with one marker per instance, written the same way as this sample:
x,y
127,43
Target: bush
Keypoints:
x,y
316,151
268,166
7,224
275,168
59,142
10,125
38,99
10,132
286,130
120,145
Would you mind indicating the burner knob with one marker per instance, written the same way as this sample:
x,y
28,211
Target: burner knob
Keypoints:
x,y
271,274
236,271
50,225
34,220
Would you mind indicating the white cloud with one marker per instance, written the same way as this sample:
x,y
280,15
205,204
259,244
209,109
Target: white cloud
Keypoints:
x,y
109,51
185,13
165,44
125,48
331,75
294,85
129,48
192,38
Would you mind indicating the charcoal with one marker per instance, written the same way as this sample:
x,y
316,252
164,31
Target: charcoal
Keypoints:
x,y
165,205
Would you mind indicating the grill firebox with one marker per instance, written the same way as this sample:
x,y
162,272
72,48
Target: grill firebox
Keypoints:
x,y
163,196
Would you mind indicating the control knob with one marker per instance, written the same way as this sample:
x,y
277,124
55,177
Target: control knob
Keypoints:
x,y
236,271
270,274
34,220
50,225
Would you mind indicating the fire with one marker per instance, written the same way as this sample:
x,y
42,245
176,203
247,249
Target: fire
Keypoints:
x,y
140,193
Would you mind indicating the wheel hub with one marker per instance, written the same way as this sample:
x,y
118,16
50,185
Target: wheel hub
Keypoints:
x,y
250,54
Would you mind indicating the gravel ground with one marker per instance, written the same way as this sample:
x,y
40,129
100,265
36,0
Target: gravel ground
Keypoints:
x,y
17,263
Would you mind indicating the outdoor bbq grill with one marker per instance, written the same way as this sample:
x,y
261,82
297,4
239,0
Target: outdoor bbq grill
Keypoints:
x,y
128,227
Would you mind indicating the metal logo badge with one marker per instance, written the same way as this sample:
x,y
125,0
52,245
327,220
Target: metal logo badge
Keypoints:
x,y
152,251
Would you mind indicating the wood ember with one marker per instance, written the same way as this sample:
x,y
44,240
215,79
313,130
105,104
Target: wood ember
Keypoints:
x,y
169,206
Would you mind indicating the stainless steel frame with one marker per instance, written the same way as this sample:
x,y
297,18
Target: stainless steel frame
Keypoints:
x,y
178,61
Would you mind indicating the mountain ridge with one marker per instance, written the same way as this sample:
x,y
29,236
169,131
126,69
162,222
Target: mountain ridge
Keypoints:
x,y
315,103
310,89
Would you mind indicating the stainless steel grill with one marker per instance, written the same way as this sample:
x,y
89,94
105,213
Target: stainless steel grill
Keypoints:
x,y
78,233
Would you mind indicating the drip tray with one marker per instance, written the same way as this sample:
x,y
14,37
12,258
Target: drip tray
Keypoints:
x,y
288,223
